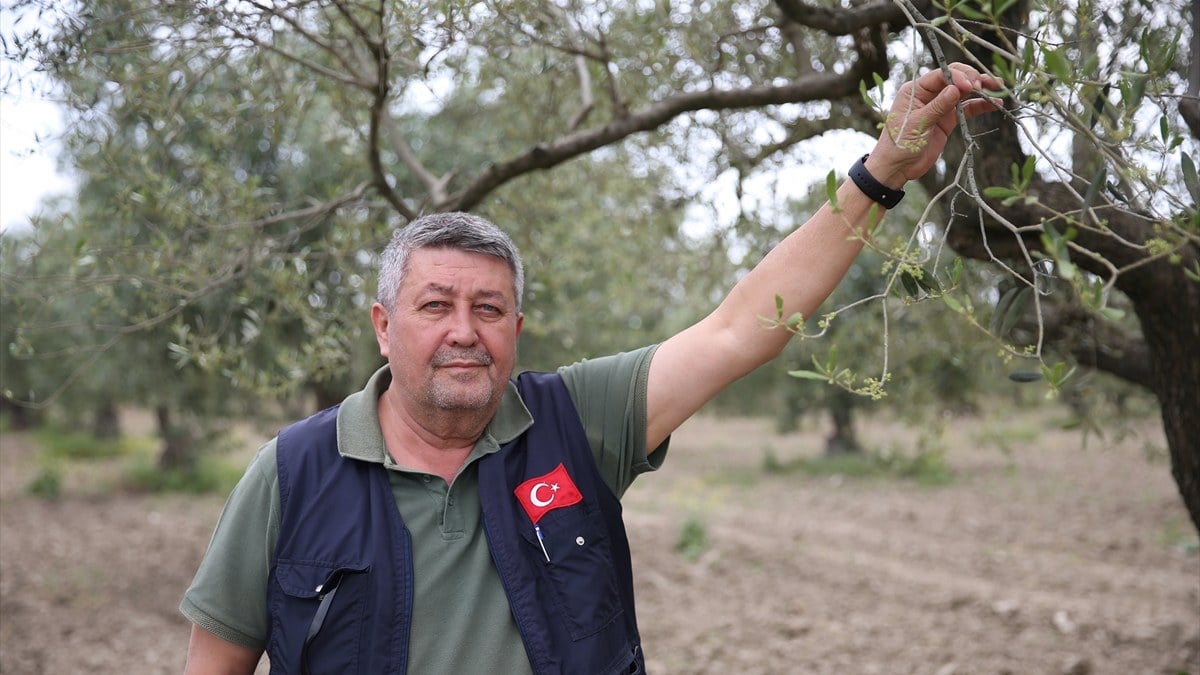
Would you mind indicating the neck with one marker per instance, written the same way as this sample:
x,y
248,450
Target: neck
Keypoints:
x,y
434,441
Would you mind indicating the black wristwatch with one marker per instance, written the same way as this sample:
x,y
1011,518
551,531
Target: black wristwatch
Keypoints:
x,y
880,193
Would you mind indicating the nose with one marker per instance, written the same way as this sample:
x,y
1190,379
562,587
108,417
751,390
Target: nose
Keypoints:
x,y
462,331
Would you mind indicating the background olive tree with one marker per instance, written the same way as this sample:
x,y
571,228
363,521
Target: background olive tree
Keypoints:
x,y
242,161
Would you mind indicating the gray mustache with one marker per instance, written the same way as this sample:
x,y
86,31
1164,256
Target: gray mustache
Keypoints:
x,y
476,356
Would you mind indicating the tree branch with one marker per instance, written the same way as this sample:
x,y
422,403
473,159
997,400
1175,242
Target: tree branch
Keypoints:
x,y
371,39
844,21
379,112
299,28
586,102
822,86
620,106
1095,343
324,45
436,187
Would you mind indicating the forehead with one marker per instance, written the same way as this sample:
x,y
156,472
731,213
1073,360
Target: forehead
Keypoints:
x,y
458,271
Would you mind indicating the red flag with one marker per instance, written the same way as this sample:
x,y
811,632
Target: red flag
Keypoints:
x,y
545,493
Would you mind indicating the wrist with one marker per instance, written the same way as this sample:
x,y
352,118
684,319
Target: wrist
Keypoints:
x,y
882,193
888,176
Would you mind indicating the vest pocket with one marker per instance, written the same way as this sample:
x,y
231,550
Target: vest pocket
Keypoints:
x,y
321,609
580,571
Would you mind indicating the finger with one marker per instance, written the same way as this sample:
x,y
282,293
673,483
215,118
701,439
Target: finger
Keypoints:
x,y
975,80
928,86
979,106
934,83
944,103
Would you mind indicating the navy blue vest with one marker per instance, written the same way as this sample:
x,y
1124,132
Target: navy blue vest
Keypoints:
x,y
340,587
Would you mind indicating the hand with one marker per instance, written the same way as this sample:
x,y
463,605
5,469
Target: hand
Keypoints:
x,y
922,117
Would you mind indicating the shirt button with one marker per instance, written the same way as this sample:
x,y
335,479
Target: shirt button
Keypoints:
x,y
426,478
579,541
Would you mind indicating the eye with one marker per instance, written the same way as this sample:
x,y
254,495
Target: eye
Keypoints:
x,y
435,305
489,309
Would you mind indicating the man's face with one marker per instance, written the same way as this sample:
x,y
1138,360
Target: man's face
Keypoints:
x,y
451,339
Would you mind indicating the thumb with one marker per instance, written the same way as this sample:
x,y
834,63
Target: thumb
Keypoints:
x,y
944,102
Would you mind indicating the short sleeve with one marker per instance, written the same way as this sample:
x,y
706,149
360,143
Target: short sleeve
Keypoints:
x,y
228,595
610,394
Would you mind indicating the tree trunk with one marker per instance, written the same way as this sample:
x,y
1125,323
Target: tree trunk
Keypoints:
x,y
107,422
180,449
841,410
1171,324
327,394
20,417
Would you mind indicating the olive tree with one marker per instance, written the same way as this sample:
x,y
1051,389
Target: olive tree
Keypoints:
x,y
1082,180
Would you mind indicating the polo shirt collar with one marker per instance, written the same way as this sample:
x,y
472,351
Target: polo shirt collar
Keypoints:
x,y
360,437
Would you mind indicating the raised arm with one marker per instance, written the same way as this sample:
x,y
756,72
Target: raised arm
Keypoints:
x,y
694,365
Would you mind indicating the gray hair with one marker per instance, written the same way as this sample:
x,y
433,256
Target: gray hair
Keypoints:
x,y
457,231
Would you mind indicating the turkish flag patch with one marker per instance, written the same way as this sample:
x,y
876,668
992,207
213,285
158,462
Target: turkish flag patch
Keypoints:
x,y
543,494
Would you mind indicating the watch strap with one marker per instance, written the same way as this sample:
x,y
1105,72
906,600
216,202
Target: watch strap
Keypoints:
x,y
880,193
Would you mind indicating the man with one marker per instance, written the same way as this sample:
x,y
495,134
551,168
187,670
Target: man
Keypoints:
x,y
447,520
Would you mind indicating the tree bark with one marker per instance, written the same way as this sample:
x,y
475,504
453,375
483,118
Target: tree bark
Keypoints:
x,y
1170,321
20,417
107,422
180,448
842,440
1189,105
327,394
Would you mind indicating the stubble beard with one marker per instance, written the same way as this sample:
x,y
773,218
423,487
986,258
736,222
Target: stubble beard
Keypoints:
x,y
473,391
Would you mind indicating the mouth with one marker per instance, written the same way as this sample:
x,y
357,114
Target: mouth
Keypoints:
x,y
461,366
462,372
462,361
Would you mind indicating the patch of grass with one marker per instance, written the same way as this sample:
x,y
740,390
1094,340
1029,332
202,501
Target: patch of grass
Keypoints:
x,y
771,463
693,539
48,483
731,477
923,461
211,475
128,462
57,443
1004,437
1155,453
850,465
926,467
61,452
1179,534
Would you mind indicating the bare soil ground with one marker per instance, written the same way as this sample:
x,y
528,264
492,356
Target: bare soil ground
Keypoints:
x,y
1048,558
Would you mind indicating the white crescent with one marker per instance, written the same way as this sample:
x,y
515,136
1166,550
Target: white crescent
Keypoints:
x,y
533,496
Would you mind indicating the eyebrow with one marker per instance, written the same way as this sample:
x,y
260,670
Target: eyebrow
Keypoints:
x,y
449,290
437,288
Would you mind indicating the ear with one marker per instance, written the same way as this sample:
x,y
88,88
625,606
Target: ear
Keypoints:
x,y
520,323
380,320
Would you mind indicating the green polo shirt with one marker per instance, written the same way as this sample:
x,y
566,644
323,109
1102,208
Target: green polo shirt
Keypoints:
x,y
462,622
